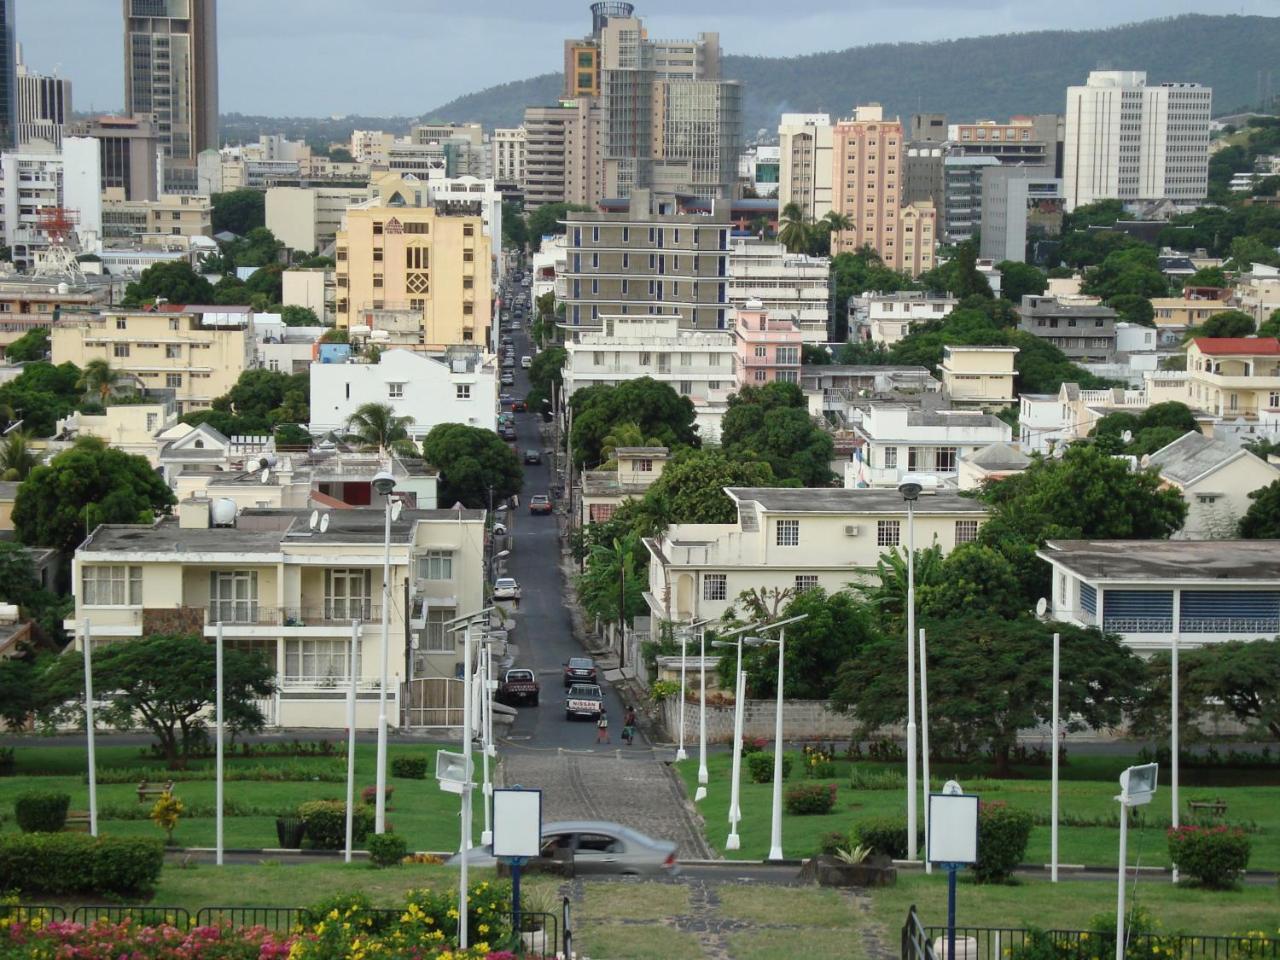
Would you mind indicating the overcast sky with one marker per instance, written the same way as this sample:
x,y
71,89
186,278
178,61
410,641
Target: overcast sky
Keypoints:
x,y
403,57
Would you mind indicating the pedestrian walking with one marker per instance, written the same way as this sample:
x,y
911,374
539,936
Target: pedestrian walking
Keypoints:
x,y
602,728
629,726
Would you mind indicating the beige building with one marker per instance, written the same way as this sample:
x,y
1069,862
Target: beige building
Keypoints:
x,y
28,301
980,375
197,352
562,154
1215,479
1185,312
509,145
127,147
396,253
308,287
1234,376
805,163
309,218
601,492
131,427
791,540
291,594
176,215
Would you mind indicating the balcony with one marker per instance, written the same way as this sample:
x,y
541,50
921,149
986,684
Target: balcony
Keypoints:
x,y
245,619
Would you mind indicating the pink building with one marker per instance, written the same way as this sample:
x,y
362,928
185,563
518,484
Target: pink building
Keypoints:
x,y
768,350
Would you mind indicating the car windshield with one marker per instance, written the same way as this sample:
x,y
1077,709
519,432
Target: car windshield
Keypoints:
x,y
538,498
505,582
580,663
585,690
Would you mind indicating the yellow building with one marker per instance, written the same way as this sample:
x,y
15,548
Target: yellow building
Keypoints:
x,y
399,255
176,215
981,375
1184,312
1233,376
197,352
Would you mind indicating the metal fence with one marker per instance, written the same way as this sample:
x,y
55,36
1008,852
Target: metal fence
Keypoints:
x,y
539,933
993,943
172,916
279,919
26,912
916,943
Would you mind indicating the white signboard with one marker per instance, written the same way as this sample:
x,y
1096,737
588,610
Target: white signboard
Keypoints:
x,y
517,823
953,828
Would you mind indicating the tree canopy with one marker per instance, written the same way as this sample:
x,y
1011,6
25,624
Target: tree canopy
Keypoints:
x,y
32,345
691,488
260,402
1018,279
1262,520
239,211
472,460
174,280
40,395
1228,323
771,424
545,221
652,406
546,372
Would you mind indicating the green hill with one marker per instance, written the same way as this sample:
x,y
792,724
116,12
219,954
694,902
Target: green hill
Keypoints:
x,y
977,77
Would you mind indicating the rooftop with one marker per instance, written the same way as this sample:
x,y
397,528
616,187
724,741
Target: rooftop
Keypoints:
x,y
1191,560
1238,346
641,452
1191,456
841,501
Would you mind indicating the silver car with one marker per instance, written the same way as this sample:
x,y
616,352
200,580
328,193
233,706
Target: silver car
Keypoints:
x,y
596,847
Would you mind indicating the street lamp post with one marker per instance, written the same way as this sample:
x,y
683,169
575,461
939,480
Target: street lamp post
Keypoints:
x,y
910,487
681,754
384,483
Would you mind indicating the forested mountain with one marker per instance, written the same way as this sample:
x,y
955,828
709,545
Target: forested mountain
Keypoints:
x,y
977,77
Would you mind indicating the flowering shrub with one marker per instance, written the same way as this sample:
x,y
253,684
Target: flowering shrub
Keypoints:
x,y
753,745
369,795
807,798
818,763
104,939
663,689
165,814
1211,856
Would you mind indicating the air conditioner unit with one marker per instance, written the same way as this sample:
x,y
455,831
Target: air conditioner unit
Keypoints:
x,y
852,530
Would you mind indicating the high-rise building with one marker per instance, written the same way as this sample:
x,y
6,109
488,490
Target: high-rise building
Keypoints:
x,y
641,256
927,128
44,104
1030,141
805,163
562,153
171,74
1021,214
509,146
1132,142
128,148
962,196
8,76
922,172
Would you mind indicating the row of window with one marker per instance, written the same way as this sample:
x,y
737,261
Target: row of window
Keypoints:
x,y
888,532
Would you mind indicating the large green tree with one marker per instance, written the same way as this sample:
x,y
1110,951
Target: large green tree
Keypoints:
x,y
174,280
472,462
1228,323
545,221
1262,520
654,407
296,316
1018,279
1133,270
991,677
166,684
88,484
239,211
515,229
546,374
691,488
32,345
771,424
40,395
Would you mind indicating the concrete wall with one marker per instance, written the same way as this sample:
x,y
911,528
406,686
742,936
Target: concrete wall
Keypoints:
x,y
801,720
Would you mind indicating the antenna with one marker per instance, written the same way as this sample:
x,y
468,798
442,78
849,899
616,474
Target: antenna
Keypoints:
x,y
324,523
315,519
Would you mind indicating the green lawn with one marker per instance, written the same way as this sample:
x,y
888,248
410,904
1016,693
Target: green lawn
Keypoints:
x,y
422,813
1079,799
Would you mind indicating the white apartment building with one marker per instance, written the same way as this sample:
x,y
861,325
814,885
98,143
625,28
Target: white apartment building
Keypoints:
x,y
789,286
888,317
805,163
1129,141
792,540
282,348
1258,291
37,178
509,146
897,440
291,593
461,387
1042,422
698,364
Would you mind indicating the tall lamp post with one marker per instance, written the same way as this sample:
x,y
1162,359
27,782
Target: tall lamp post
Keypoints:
x,y
384,483
685,635
911,486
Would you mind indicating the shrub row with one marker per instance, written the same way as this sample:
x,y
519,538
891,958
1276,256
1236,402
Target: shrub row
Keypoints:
x,y
61,864
1003,833
411,768
276,773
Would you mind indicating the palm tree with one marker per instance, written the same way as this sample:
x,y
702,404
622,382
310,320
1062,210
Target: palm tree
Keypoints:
x,y
98,377
626,434
374,426
17,459
793,231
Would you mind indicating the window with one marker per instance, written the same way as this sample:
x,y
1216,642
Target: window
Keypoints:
x,y
762,352
891,458
761,376
643,466
945,459
173,351
318,661
1207,498
462,391
121,323
789,355
348,594
395,391
788,533
686,387
436,565
113,585
1273,399
173,324
888,533
966,531
715,586
437,641
233,596
120,350
173,381
806,581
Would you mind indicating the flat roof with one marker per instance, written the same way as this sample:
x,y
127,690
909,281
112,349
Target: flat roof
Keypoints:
x,y
1190,560
838,500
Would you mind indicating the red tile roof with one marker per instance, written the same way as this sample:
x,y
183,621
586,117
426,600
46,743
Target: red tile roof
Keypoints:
x,y
1238,346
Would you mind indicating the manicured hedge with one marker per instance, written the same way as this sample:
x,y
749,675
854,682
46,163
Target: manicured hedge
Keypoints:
x,y
1213,857
76,863
326,822
41,811
411,768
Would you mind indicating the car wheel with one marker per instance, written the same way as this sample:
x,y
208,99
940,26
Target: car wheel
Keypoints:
x,y
568,715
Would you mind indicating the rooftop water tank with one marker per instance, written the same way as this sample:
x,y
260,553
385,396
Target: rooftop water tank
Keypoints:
x,y
224,512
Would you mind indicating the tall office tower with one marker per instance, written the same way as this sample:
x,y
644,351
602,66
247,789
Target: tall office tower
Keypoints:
x,y
562,153
1128,141
171,74
805,163
8,76
44,104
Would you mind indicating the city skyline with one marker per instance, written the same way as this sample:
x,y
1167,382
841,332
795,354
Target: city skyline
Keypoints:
x,y
522,45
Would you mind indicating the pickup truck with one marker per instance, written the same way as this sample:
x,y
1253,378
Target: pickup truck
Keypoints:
x,y
583,700
518,687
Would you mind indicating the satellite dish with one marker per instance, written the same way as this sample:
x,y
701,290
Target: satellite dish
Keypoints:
x,y
1042,607
315,519
397,508
1059,452
266,474
324,523
1127,436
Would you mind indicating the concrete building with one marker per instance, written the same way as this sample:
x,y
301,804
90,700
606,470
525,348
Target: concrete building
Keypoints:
x,y
562,154
768,350
979,375
792,540
888,317
923,167
844,389
898,439
1021,214
647,259
197,352
44,105
1085,332
127,147
311,287
469,195
461,387
8,76
509,146
962,187
1215,479
1234,376
1042,419
996,461
290,594
928,128
1129,141
309,218
171,71
1258,291
131,427
36,179
28,301
791,287
1203,591
1185,312
806,163
398,254
1028,141
178,215
601,492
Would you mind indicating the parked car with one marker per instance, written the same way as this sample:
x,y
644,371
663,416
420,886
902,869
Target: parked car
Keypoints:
x,y
508,379
505,399
539,503
526,361
533,456
519,406
507,431
579,670
583,700
518,687
594,847
506,588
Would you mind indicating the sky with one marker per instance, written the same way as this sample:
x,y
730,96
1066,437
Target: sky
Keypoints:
x,y
404,57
